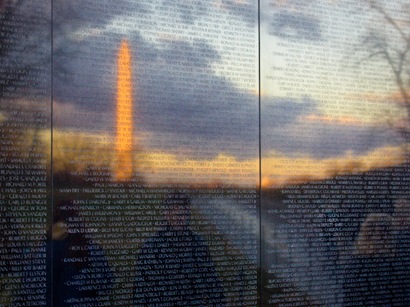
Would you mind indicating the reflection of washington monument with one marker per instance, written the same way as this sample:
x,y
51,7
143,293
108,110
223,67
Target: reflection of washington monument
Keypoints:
x,y
124,122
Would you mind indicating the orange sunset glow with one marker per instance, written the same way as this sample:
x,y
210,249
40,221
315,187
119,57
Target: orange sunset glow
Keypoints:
x,y
124,117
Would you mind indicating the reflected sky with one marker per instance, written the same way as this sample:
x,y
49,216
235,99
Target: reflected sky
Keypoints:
x,y
327,98
195,79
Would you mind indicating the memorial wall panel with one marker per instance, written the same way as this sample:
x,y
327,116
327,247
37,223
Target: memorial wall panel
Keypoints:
x,y
155,156
25,113
334,131
204,153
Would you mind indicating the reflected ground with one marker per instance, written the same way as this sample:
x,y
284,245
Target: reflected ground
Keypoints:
x,y
311,231
122,216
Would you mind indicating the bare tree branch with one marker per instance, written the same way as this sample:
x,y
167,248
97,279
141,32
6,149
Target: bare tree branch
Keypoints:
x,y
374,5
389,42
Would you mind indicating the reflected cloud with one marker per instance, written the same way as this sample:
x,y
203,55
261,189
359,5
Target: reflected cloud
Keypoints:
x,y
70,16
282,112
177,91
188,11
81,153
223,169
296,26
73,117
301,127
338,120
279,169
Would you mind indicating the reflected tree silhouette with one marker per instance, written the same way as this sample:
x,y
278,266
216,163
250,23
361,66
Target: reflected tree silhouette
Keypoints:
x,y
388,41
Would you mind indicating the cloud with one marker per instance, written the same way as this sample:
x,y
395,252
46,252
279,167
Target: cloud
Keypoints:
x,y
182,97
298,127
338,119
280,112
244,10
279,169
188,11
323,141
69,16
178,97
287,24
180,100
25,48
187,108
35,42
191,11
